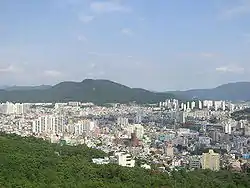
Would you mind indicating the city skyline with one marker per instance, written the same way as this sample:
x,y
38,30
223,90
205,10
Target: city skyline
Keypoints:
x,y
161,46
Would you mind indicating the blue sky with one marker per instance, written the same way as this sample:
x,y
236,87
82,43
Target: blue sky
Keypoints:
x,y
158,45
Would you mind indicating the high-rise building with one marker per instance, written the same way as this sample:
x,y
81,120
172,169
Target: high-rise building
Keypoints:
x,y
175,104
181,117
218,105
10,108
168,103
228,128
78,129
210,160
3,108
19,108
232,107
192,105
223,105
138,129
208,104
200,105
184,107
122,121
49,124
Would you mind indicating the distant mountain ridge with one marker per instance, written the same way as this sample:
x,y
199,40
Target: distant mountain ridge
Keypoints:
x,y
97,91
3,87
16,88
105,91
238,91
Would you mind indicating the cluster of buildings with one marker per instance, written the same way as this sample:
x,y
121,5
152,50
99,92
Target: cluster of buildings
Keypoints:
x,y
11,108
198,104
164,136
58,125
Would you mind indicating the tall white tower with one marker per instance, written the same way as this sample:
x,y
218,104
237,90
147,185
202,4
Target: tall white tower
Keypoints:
x,y
200,105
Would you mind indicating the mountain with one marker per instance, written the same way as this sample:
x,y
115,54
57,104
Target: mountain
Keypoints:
x,y
97,91
16,88
3,87
239,91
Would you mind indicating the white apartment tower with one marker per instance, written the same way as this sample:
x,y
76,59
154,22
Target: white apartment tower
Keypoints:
x,y
184,107
19,108
192,105
228,128
49,124
208,103
223,105
11,108
200,105
84,126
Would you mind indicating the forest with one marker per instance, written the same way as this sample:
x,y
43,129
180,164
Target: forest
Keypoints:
x,y
32,162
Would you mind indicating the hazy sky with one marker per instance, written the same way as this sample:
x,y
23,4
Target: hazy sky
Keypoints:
x,y
154,44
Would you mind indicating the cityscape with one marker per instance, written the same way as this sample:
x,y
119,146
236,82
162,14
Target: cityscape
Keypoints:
x,y
169,134
124,94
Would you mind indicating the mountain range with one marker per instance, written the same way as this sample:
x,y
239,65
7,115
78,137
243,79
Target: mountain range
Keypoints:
x,y
16,88
238,91
97,91
105,91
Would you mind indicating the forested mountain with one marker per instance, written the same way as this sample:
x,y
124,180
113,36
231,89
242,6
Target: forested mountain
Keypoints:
x,y
232,91
105,91
97,91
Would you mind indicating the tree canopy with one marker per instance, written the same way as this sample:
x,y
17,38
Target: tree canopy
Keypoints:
x,y
32,162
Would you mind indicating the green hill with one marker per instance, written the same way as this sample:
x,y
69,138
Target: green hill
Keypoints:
x,y
97,91
238,91
30,162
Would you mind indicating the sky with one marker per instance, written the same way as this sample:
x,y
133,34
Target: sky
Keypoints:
x,y
161,45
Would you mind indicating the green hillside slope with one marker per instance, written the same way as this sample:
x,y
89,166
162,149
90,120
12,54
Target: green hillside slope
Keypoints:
x,y
31,162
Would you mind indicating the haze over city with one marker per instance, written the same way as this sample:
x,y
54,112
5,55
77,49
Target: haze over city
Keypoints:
x,y
158,45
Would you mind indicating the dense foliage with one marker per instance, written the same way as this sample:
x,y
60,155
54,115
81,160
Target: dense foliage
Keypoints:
x,y
31,162
97,91
241,114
